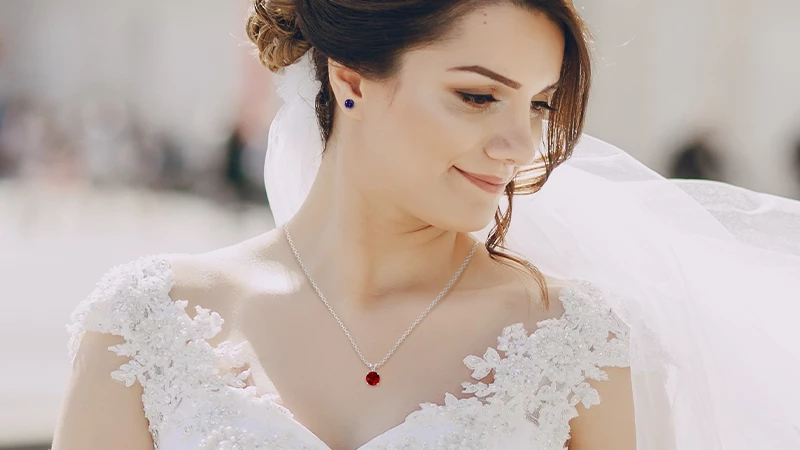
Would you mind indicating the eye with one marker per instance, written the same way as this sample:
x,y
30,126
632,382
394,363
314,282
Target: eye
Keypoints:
x,y
542,109
477,99
541,106
484,101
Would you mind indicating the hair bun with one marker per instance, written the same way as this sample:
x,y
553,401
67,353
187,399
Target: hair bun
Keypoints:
x,y
273,27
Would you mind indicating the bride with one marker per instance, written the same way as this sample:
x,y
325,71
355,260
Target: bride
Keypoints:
x,y
396,307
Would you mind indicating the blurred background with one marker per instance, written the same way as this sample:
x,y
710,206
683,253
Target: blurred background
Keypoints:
x,y
136,127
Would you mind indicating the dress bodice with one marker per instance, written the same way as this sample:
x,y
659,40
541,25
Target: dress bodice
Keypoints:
x,y
195,394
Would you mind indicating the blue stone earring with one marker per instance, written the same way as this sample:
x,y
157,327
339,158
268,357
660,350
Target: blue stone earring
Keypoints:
x,y
349,103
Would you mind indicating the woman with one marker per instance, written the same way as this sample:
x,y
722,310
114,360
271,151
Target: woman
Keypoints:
x,y
604,331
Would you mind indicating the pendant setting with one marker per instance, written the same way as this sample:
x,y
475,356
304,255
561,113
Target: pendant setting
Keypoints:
x,y
372,377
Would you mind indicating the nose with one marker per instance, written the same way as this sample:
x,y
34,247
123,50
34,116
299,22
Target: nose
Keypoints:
x,y
515,142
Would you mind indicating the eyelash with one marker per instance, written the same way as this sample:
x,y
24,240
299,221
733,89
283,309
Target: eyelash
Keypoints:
x,y
481,101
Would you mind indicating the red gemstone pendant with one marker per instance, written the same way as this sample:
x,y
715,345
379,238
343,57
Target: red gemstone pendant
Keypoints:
x,y
373,378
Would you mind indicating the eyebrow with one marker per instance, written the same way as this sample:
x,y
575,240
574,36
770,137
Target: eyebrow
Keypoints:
x,y
497,77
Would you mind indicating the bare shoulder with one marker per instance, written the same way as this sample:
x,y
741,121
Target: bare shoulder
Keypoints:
x,y
99,411
216,279
542,308
611,423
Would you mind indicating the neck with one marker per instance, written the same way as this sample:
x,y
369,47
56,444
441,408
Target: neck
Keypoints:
x,y
362,252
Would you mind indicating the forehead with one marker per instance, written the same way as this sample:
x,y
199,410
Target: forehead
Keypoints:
x,y
523,45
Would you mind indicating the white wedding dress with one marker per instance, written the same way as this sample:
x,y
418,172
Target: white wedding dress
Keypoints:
x,y
195,395
692,284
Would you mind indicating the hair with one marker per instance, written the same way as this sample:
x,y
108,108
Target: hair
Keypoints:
x,y
370,38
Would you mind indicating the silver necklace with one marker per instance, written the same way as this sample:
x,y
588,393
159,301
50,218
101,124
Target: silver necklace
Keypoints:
x,y
372,377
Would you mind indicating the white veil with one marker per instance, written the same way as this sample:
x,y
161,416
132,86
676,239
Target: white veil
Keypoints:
x,y
707,276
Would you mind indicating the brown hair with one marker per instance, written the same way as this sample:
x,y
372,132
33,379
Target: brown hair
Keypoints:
x,y
370,37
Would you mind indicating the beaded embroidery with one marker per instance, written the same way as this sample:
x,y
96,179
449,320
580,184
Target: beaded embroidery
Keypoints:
x,y
200,391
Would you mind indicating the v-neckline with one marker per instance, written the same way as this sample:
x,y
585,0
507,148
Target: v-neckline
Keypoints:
x,y
365,446
566,285
290,416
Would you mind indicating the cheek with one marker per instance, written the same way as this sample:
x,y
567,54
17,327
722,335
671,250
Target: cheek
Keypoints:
x,y
437,133
537,133
422,137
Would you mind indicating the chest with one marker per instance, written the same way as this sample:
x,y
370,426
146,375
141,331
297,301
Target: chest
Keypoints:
x,y
307,362
202,389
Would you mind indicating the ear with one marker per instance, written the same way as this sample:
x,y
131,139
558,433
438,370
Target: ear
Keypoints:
x,y
345,83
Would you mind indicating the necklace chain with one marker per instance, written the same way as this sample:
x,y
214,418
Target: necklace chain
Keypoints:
x,y
372,366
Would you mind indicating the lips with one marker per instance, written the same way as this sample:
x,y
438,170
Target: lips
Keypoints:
x,y
488,183
488,178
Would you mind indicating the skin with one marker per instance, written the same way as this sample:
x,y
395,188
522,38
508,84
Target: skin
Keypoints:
x,y
384,228
396,206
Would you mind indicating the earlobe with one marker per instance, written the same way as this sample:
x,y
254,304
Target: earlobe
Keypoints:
x,y
345,83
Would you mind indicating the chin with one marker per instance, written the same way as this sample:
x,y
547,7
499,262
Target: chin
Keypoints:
x,y
469,222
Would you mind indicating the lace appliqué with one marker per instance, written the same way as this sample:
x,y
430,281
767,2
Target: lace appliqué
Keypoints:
x,y
186,382
200,390
541,377
227,437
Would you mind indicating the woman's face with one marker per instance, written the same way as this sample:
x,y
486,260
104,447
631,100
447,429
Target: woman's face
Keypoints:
x,y
471,104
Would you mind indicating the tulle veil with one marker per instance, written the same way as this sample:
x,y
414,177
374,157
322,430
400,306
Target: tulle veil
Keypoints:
x,y
706,274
